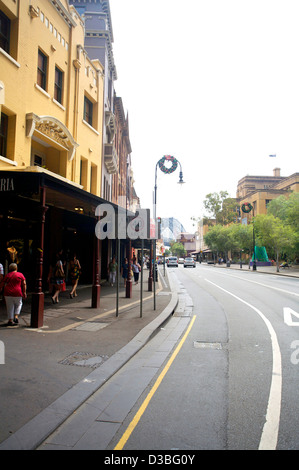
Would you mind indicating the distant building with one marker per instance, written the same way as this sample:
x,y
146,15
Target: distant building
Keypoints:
x,y
260,190
171,229
188,240
256,190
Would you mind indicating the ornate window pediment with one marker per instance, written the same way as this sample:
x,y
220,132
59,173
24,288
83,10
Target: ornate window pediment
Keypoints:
x,y
53,130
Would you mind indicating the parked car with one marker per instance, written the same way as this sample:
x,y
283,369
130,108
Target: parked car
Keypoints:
x,y
172,261
181,261
189,262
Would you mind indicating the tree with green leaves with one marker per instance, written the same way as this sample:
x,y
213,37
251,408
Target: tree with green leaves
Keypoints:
x,y
178,249
287,210
221,207
275,235
219,239
243,237
234,237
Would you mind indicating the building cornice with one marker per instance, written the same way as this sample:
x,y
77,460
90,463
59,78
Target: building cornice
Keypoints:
x,y
106,8
64,13
107,37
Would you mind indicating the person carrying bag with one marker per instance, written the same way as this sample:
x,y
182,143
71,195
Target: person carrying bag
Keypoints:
x,y
56,278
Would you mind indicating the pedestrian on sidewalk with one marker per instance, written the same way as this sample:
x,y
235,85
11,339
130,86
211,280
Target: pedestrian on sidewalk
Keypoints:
x,y
124,270
136,271
112,268
75,271
1,277
14,291
1,272
56,277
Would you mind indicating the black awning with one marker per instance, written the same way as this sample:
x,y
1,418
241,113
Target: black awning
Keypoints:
x,y
60,193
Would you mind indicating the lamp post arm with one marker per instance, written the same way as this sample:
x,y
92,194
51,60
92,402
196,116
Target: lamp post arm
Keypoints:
x,y
155,193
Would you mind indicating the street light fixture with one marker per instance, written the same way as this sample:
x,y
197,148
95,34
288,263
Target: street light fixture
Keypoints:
x,y
167,170
181,181
247,207
174,161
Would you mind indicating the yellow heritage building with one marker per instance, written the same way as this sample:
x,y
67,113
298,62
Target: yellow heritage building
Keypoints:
x,y
51,94
51,145
260,190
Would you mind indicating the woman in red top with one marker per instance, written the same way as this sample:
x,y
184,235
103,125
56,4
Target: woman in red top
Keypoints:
x,y
14,291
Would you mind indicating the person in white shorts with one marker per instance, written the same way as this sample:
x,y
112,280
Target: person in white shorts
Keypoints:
x,y
14,291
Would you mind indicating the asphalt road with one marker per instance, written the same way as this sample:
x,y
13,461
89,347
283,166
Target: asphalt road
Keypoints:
x,y
222,374
234,382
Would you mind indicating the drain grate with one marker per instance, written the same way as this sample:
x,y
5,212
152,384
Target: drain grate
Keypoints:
x,y
203,345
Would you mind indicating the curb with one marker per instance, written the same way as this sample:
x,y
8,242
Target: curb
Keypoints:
x,y
33,433
283,274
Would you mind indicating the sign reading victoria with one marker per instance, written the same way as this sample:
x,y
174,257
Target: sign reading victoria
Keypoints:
x,y
19,182
7,184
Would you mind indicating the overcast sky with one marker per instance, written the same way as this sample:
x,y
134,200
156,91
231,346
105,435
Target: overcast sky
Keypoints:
x,y
215,83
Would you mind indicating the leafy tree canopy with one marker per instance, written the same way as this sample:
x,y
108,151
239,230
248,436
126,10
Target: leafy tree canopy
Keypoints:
x,y
178,249
286,209
221,207
278,237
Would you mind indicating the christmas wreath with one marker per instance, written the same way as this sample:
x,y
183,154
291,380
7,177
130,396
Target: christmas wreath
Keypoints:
x,y
168,158
247,207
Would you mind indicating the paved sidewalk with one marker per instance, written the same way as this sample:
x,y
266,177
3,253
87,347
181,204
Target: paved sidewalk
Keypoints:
x,y
50,371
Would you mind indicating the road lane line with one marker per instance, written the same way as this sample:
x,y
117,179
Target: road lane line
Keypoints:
x,y
261,284
270,431
138,415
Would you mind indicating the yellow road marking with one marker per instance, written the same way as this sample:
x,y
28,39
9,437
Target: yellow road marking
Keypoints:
x,y
144,405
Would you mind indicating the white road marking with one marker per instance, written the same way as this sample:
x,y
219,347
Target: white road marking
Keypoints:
x,y
270,431
287,316
261,284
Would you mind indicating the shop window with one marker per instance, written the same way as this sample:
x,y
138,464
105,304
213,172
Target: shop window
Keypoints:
x,y
4,32
3,135
42,70
58,87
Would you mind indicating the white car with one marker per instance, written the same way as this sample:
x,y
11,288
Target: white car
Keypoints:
x,y
189,262
172,261
181,260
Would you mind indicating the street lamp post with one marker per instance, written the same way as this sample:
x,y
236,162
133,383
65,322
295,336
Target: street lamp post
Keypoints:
x,y
253,237
246,208
167,170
